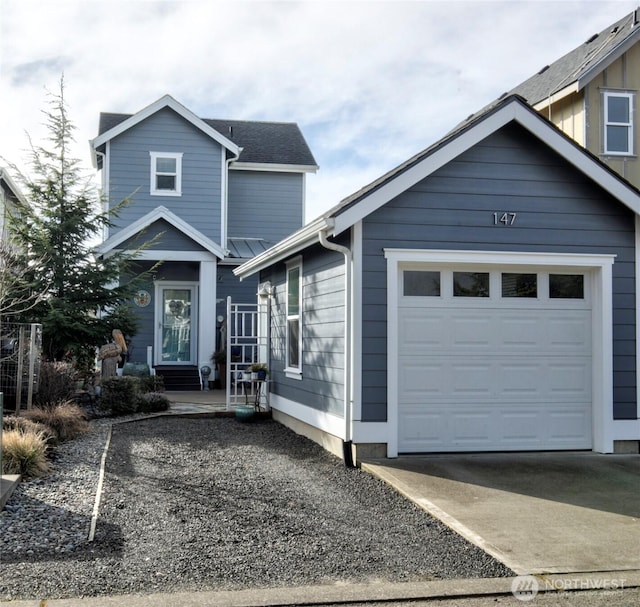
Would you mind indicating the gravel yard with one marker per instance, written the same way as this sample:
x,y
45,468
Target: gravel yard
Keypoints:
x,y
212,503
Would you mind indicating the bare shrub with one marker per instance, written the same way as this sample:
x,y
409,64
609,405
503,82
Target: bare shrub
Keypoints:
x,y
57,384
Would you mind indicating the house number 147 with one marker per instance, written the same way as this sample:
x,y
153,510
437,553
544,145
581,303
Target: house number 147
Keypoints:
x,y
505,219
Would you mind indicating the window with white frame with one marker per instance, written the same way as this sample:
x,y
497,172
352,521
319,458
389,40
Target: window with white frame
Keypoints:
x,y
618,123
166,174
294,316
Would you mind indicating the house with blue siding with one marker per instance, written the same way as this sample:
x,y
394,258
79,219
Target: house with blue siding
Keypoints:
x,y
205,195
482,296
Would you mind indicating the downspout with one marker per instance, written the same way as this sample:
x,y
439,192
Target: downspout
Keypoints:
x,y
348,345
224,207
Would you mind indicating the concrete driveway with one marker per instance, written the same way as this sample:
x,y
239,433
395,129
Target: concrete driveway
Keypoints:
x,y
535,512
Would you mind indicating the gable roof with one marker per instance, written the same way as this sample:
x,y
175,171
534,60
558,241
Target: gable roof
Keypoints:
x,y
354,208
573,71
117,124
145,221
9,187
270,143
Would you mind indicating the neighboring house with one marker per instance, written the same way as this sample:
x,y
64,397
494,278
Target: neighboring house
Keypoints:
x,y
482,296
592,95
9,195
208,195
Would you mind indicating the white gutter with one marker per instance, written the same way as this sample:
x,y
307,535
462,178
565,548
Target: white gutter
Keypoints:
x,y
285,248
348,340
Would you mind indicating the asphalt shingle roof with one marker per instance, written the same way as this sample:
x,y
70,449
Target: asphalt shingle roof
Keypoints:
x,y
575,64
261,142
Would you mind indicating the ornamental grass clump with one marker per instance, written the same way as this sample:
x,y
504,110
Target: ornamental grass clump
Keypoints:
x,y
26,426
65,419
24,453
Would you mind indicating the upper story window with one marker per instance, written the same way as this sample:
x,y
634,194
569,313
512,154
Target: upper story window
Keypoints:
x,y
618,123
166,174
294,318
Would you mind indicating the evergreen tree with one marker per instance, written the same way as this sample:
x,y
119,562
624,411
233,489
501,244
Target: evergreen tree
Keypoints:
x,y
83,300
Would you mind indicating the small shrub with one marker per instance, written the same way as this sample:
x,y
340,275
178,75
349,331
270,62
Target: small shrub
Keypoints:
x,y
65,419
24,453
26,426
119,395
57,383
151,383
153,402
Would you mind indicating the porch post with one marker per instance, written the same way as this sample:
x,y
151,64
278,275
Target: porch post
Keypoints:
x,y
207,312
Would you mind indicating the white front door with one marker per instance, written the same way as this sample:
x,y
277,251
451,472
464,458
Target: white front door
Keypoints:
x,y
176,322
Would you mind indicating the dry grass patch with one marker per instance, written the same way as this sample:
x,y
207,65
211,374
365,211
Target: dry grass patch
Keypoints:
x,y
24,453
66,420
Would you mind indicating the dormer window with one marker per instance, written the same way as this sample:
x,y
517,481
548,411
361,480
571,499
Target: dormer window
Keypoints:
x,y
166,174
618,123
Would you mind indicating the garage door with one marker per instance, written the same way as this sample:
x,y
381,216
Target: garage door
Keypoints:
x,y
493,360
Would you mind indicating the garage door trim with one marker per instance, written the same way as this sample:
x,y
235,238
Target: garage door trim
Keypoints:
x,y
600,273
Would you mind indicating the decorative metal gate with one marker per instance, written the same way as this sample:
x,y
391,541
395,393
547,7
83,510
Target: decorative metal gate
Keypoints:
x,y
20,349
247,339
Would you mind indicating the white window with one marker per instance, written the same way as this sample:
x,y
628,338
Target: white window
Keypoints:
x,y
166,174
294,317
618,123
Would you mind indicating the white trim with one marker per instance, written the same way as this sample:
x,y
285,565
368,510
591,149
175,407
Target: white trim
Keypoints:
x,y
326,422
207,293
165,255
602,325
290,371
159,286
626,429
630,126
274,168
514,111
356,375
169,102
158,213
153,173
285,248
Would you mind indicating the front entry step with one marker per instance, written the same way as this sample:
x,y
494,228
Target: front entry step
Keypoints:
x,y
179,378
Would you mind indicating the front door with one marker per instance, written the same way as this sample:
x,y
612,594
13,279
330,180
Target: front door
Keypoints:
x,y
176,317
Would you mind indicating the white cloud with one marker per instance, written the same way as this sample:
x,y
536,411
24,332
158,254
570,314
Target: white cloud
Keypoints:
x,y
369,82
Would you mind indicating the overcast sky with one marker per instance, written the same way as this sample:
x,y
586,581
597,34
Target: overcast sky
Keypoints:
x,y
369,82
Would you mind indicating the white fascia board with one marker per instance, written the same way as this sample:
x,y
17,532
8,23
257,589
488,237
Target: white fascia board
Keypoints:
x,y
609,58
273,167
503,258
285,248
163,255
450,150
574,87
170,102
159,213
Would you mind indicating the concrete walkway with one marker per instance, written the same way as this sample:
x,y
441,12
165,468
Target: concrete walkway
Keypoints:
x,y
535,512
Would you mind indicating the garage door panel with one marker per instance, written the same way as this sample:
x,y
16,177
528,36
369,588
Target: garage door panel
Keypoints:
x,y
448,379
486,374
483,427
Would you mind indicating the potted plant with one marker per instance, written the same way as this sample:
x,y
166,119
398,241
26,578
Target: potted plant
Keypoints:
x,y
260,370
219,358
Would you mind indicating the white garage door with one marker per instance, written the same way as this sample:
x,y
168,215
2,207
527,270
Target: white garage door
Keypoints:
x,y
493,360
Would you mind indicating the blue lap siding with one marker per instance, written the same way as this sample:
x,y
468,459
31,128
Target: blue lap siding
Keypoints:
x,y
559,210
